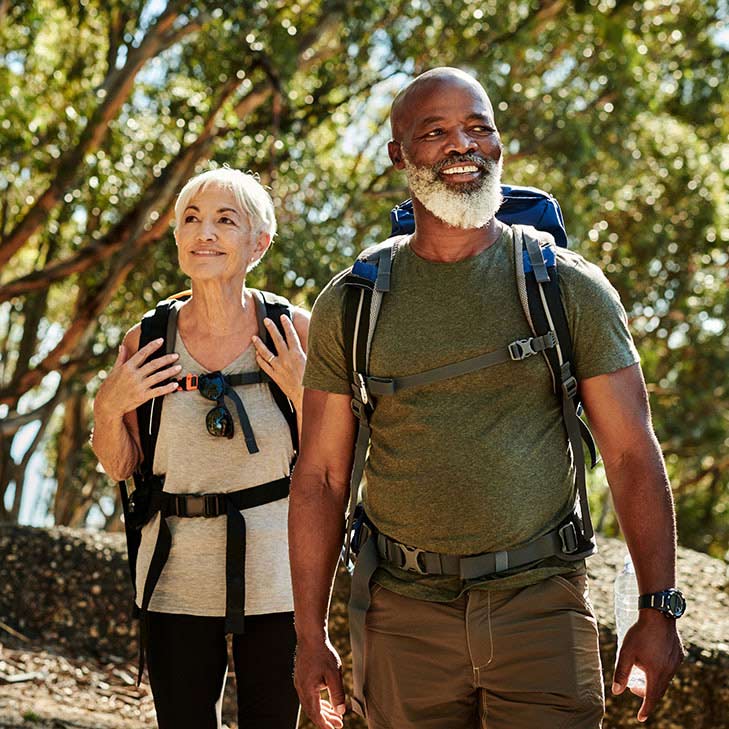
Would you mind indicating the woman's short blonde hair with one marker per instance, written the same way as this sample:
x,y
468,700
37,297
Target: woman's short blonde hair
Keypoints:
x,y
250,194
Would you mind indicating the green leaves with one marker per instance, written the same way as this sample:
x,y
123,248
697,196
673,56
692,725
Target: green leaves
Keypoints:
x,y
617,108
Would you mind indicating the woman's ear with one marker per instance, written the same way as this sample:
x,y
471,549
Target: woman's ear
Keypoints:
x,y
262,243
264,240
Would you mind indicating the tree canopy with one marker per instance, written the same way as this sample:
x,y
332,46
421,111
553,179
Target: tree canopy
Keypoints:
x,y
107,108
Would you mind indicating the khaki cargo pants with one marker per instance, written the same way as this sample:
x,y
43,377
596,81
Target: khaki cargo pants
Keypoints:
x,y
524,658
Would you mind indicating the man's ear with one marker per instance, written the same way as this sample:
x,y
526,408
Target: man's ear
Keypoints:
x,y
394,149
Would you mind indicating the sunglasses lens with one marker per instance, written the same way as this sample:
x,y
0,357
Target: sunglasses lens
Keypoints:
x,y
211,386
219,422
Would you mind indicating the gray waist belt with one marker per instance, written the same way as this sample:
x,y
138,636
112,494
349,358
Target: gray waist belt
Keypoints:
x,y
562,542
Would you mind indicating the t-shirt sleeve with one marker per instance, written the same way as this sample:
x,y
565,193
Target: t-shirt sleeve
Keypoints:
x,y
601,339
326,364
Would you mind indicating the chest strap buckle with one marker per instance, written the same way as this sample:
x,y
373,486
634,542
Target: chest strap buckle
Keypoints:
x,y
205,505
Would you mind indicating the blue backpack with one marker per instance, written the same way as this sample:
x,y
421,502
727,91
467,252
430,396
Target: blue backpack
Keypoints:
x,y
521,205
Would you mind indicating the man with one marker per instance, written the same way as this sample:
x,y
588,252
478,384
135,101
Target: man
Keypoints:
x,y
473,464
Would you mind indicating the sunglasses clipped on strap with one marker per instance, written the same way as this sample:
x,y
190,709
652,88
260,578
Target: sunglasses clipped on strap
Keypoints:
x,y
215,386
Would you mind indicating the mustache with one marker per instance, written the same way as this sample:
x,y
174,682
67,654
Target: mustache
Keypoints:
x,y
469,158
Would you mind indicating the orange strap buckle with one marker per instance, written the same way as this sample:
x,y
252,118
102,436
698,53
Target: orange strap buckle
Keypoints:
x,y
190,383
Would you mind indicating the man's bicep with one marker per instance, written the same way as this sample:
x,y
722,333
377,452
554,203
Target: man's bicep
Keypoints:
x,y
617,409
327,439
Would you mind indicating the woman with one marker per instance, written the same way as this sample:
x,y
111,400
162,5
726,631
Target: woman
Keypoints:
x,y
205,561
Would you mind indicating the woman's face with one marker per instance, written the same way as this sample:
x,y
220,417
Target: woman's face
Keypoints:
x,y
214,237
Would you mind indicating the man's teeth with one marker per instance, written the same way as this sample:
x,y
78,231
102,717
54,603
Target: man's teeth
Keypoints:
x,y
460,170
207,253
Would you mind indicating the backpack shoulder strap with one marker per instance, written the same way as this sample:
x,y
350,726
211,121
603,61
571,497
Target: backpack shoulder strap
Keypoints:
x,y
365,286
160,322
274,307
538,286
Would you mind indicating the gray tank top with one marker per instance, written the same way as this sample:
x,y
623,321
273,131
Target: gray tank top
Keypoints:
x,y
193,579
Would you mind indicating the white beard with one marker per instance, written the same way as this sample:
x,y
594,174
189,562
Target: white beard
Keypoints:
x,y
466,208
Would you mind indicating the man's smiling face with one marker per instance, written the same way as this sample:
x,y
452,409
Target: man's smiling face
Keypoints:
x,y
448,145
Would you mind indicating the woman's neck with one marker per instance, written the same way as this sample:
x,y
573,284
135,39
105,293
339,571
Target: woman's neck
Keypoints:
x,y
218,307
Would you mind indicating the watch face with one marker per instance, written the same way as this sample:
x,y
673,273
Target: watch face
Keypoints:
x,y
676,603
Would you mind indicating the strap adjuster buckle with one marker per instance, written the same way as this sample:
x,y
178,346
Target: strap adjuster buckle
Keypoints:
x,y
411,558
568,537
361,384
190,383
358,408
569,386
204,505
521,349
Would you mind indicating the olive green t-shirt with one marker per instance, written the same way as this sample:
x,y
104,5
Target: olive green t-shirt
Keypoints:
x,y
481,462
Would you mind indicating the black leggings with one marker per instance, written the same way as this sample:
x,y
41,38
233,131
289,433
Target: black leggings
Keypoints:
x,y
187,660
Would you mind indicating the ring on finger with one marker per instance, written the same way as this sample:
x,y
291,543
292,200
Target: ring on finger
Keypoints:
x,y
273,357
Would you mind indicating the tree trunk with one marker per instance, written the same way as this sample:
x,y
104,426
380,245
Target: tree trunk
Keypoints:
x,y
70,442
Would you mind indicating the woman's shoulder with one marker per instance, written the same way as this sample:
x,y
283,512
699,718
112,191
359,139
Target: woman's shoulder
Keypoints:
x,y
131,339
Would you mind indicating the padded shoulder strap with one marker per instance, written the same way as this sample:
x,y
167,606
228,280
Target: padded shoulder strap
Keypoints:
x,y
274,307
538,285
365,286
160,322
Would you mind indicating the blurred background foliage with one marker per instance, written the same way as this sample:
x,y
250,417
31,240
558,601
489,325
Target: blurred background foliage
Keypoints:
x,y
106,108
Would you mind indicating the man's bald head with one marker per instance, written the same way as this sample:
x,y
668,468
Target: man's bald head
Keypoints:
x,y
405,104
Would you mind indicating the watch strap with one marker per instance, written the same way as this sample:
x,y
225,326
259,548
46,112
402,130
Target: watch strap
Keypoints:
x,y
670,602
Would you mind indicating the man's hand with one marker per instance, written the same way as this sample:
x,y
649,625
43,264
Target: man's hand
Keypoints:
x,y
318,668
654,645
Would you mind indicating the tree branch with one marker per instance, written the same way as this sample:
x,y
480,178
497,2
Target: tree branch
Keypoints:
x,y
138,233
136,223
114,91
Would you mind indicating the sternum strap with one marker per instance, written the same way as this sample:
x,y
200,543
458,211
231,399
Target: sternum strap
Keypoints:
x,y
516,351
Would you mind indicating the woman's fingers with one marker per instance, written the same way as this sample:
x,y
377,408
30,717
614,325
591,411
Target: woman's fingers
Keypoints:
x,y
121,357
292,336
167,389
262,351
138,359
153,366
266,363
162,375
278,340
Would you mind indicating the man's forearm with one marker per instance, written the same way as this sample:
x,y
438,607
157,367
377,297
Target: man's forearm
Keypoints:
x,y
316,529
644,506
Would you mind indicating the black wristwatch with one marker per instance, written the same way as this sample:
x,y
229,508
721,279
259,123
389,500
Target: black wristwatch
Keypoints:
x,y
670,602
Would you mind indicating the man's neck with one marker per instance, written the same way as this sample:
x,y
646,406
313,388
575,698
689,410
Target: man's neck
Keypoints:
x,y
435,240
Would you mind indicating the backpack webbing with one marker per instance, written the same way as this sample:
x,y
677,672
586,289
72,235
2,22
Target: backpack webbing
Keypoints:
x,y
161,322
538,286
537,267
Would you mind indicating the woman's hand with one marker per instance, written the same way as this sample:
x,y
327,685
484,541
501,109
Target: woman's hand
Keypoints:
x,y
131,382
286,368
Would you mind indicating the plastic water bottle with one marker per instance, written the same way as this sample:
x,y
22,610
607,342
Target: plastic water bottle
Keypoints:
x,y
626,614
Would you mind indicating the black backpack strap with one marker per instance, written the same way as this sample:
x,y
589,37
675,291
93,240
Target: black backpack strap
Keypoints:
x,y
538,286
160,322
273,307
366,283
